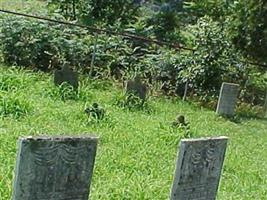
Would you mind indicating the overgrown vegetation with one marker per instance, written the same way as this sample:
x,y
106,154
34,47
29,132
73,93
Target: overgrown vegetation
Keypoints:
x,y
225,35
222,48
134,145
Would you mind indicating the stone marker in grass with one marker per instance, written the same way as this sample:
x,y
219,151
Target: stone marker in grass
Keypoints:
x,y
54,168
66,75
198,169
137,88
227,100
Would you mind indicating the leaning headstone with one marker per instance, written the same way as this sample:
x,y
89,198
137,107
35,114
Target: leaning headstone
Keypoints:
x,y
56,168
227,99
137,88
198,169
66,75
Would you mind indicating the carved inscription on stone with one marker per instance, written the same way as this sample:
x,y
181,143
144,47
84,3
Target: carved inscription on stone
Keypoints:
x,y
66,75
198,169
54,168
227,100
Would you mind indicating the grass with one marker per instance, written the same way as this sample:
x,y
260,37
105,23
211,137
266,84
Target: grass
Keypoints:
x,y
21,4
137,149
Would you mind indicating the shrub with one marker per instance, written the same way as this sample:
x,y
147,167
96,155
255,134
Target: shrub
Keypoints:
x,y
45,47
41,45
213,61
90,11
247,27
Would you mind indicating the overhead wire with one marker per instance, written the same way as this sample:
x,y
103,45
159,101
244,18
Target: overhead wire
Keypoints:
x,y
99,30
111,32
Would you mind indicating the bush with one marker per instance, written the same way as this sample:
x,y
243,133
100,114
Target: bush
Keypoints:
x,y
41,45
247,27
213,61
91,11
45,47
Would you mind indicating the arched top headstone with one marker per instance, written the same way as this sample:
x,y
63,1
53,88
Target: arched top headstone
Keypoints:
x,y
198,169
137,88
67,75
227,99
55,168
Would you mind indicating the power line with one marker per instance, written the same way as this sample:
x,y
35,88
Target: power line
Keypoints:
x,y
99,30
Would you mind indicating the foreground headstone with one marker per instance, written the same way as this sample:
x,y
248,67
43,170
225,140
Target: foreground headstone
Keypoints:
x,y
66,75
198,169
137,88
227,100
57,168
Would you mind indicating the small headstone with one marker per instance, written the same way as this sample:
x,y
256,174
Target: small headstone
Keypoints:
x,y
227,100
66,75
198,169
137,88
56,168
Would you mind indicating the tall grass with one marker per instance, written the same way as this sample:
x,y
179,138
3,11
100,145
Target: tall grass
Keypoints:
x,y
137,149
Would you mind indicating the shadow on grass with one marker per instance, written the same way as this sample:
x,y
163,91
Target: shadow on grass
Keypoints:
x,y
243,117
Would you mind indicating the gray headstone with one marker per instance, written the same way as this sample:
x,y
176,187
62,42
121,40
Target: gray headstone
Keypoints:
x,y
66,75
57,168
227,99
198,169
137,88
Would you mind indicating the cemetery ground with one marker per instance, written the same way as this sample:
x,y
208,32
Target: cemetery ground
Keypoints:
x,y
137,149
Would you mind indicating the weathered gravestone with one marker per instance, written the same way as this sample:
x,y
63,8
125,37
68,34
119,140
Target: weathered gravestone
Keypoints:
x,y
227,100
57,168
137,88
198,169
66,75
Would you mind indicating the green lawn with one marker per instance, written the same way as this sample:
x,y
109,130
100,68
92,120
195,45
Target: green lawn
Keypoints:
x,y
137,149
21,4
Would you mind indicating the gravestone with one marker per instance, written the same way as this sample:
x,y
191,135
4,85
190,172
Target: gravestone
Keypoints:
x,y
54,168
137,88
66,75
227,99
198,169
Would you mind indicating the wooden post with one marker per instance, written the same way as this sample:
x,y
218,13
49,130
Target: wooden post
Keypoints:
x,y
185,90
265,105
93,57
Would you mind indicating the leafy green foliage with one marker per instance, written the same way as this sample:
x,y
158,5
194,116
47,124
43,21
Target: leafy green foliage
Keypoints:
x,y
40,45
89,11
131,102
95,112
214,60
247,26
216,57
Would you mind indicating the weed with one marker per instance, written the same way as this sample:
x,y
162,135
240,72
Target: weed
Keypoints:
x,y
67,92
11,105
